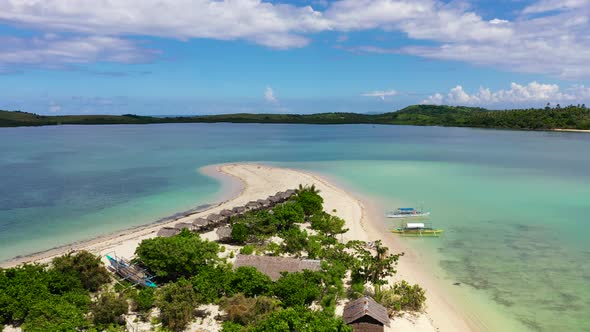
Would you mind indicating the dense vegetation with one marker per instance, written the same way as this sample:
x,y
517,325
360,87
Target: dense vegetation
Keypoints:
x,y
76,292
572,117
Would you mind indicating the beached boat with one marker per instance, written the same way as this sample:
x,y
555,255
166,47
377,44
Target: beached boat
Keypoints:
x,y
407,213
129,271
417,229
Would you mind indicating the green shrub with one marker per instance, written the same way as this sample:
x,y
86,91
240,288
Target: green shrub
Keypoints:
x,y
402,297
248,281
246,310
176,301
108,309
239,233
145,299
298,289
229,326
85,266
310,201
182,255
210,283
247,250
286,214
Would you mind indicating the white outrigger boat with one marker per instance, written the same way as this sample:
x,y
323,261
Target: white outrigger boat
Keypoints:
x,y
407,213
417,229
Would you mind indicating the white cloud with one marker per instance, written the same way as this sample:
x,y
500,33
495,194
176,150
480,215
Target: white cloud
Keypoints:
x,y
380,94
551,5
52,51
273,25
531,94
54,107
269,95
555,43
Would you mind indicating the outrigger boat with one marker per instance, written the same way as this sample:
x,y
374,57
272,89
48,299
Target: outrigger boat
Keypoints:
x,y
129,271
407,213
417,229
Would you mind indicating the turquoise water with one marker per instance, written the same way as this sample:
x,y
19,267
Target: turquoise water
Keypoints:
x,y
514,205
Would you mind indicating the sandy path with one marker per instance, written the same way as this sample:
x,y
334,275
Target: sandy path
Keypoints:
x,y
260,181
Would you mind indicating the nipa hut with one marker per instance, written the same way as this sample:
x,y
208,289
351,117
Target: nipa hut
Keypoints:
x,y
168,231
365,315
184,225
215,218
200,224
290,192
239,209
272,266
224,234
252,205
274,199
226,213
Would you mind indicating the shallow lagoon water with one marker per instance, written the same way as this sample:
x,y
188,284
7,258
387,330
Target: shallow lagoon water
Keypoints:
x,y
514,205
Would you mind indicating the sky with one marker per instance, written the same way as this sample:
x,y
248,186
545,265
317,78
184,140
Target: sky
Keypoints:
x,y
181,57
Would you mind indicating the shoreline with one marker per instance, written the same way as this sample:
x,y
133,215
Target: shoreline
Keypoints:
x,y
258,181
572,130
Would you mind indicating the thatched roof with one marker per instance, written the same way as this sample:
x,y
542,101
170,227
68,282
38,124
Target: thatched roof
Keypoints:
x,y
273,266
184,225
290,192
239,209
226,213
252,205
224,233
365,306
200,223
214,217
168,231
274,199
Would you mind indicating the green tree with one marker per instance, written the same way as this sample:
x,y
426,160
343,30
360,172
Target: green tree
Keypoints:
x,y
176,301
294,240
328,224
86,266
287,214
108,309
55,313
298,288
183,255
373,268
211,282
310,201
248,281
239,233
301,320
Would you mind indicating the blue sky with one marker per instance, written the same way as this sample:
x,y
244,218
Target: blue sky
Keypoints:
x,y
299,56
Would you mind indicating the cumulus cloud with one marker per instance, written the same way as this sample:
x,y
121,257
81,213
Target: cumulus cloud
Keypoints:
x,y
269,95
551,5
52,51
554,43
533,93
380,94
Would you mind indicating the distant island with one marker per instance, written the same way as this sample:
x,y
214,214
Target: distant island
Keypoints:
x,y
548,118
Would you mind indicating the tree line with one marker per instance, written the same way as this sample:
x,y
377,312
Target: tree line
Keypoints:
x,y
549,117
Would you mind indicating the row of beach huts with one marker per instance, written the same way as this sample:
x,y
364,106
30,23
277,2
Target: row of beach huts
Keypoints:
x,y
220,221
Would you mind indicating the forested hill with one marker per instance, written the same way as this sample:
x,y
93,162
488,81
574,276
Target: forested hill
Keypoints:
x,y
570,117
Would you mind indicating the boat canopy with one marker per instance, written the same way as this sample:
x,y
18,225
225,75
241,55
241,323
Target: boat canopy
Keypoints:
x,y
406,209
415,225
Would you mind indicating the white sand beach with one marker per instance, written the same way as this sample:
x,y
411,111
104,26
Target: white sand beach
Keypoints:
x,y
254,181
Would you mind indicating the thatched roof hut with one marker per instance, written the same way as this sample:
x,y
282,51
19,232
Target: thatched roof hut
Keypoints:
x,y
365,315
200,224
224,234
252,205
215,217
239,210
274,199
272,266
290,192
168,231
184,225
226,213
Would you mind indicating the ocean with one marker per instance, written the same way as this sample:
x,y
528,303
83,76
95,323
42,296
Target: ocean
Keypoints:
x,y
514,205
